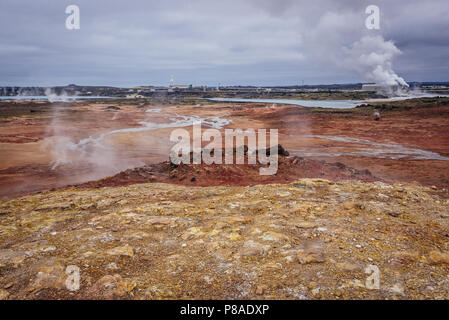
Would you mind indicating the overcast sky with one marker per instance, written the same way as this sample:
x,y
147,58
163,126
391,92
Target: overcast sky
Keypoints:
x,y
206,42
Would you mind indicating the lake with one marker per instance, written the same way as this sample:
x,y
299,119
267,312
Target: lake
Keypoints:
x,y
61,98
335,104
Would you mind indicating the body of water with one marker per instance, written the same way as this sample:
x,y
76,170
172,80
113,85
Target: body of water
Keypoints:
x,y
61,98
364,148
334,104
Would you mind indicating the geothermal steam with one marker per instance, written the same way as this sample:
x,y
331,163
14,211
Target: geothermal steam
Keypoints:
x,y
88,158
52,96
372,57
95,156
342,39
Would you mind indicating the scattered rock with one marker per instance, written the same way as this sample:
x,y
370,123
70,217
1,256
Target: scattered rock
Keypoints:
x,y
310,257
241,242
4,294
274,236
158,292
15,257
112,287
234,236
193,232
236,220
112,108
349,205
305,225
261,289
356,283
160,220
49,274
404,258
252,248
437,257
160,223
346,266
284,194
315,291
311,252
398,289
393,214
125,250
112,266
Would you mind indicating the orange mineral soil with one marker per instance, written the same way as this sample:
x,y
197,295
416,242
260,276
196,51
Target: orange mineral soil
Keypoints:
x,y
56,145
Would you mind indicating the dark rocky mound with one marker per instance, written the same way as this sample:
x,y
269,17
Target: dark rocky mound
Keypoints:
x,y
112,108
289,169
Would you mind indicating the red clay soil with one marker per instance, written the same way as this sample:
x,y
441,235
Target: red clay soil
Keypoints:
x,y
422,124
289,169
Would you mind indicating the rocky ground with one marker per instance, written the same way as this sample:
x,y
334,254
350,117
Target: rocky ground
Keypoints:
x,y
419,123
310,239
375,228
290,168
30,131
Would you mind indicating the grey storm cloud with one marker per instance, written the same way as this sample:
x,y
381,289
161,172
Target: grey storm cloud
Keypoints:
x,y
259,42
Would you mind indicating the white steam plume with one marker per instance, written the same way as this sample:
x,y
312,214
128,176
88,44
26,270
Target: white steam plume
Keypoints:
x,y
52,96
372,57
341,38
91,157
